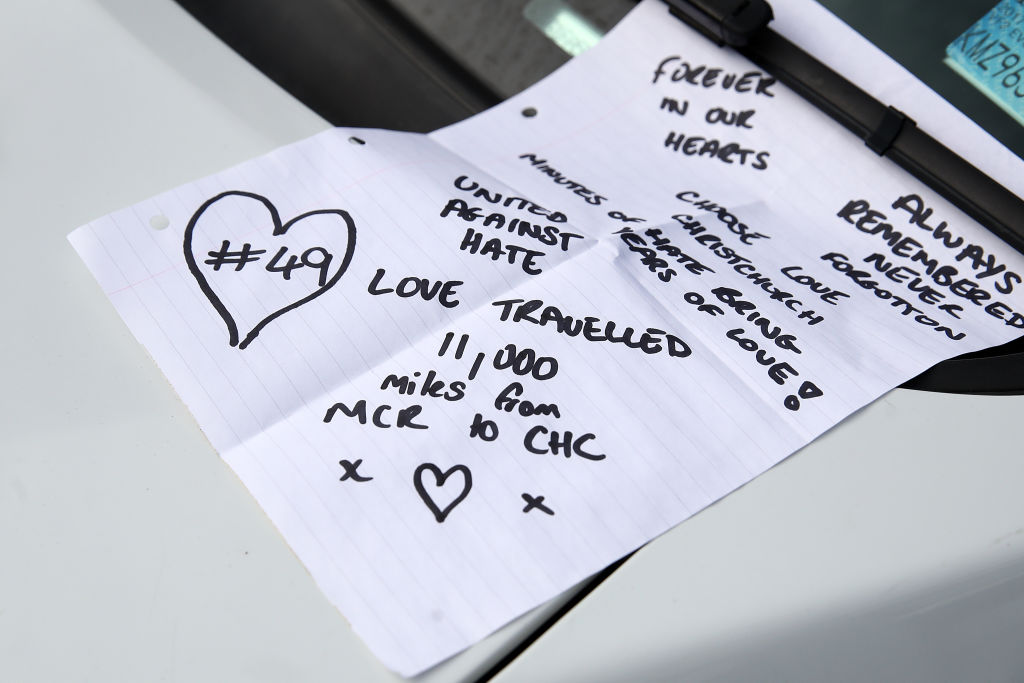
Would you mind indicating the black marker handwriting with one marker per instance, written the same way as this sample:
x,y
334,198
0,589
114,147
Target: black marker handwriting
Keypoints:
x,y
238,259
473,243
671,104
727,152
509,401
438,484
778,371
411,286
651,255
745,267
565,443
824,292
429,386
982,265
525,362
727,217
486,430
859,214
548,235
316,258
619,216
350,471
460,350
733,298
754,82
807,390
521,203
577,188
404,418
591,328
863,278
536,503
740,119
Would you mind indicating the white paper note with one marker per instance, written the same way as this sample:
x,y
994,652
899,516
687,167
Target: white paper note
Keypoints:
x,y
463,372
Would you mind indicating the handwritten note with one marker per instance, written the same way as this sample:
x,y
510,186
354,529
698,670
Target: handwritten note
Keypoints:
x,y
462,372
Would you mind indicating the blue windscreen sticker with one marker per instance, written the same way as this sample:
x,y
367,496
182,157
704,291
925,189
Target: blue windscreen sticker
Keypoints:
x,y
990,55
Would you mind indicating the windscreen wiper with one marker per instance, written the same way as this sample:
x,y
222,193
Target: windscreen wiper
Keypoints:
x,y
743,25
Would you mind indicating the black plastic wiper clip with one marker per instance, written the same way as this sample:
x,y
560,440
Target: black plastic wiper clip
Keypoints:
x,y
727,22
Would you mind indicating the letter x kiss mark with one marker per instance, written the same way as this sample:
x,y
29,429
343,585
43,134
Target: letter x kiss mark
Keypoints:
x,y
350,470
537,503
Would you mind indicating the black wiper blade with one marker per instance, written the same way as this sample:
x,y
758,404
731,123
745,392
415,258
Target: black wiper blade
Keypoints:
x,y
742,24
727,22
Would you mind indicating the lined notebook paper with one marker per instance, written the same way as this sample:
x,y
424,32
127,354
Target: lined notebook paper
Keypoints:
x,y
462,372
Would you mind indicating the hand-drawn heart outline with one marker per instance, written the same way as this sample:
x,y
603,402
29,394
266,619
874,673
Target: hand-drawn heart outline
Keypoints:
x,y
279,229
440,477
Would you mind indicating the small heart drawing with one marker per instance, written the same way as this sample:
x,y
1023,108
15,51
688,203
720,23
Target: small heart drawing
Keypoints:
x,y
245,214
439,479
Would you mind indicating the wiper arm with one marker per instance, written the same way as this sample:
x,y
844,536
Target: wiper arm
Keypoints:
x,y
743,25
